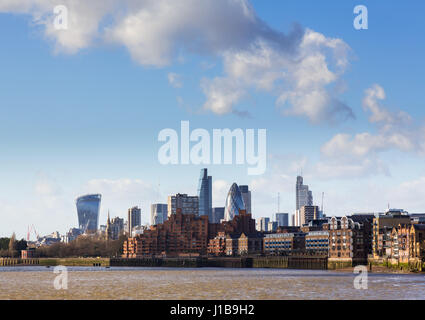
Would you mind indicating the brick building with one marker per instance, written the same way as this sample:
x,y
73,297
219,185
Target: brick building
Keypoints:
x,y
346,240
188,234
408,243
382,229
244,244
180,234
217,245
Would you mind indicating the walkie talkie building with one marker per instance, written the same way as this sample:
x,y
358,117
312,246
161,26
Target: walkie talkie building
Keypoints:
x,y
88,207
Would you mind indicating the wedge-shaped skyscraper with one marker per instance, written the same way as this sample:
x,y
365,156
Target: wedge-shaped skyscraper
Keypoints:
x,y
88,207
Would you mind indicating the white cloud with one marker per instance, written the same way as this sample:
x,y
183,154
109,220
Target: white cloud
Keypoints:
x,y
379,114
297,72
348,155
175,80
297,68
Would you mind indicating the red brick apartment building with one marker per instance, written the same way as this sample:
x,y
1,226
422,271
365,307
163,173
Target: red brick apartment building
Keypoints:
x,y
187,234
182,233
408,243
346,240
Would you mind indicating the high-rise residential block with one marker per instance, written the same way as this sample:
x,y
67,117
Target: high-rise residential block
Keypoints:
x,y
186,204
134,219
307,214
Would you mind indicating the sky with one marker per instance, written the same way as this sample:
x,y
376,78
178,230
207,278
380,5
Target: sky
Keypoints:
x,y
81,109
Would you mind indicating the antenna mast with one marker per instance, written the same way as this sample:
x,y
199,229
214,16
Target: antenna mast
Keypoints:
x,y
278,202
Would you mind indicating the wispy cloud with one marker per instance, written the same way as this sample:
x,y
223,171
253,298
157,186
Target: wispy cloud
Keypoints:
x,y
175,80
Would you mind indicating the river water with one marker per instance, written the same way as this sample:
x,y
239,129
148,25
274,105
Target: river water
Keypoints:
x,y
37,283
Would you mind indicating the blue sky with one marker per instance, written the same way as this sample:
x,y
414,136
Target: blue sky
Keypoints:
x,y
81,109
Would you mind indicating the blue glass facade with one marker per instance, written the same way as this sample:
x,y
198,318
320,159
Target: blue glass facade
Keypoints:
x,y
88,212
205,195
218,214
234,203
159,213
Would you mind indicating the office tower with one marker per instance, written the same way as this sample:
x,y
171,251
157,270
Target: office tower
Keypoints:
x,y
205,194
187,204
263,224
134,219
307,214
114,227
217,214
159,212
272,226
88,207
246,196
282,219
234,203
303,196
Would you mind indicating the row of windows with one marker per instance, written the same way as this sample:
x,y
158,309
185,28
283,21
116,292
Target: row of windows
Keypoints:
x,y
276,246
316,245
278,242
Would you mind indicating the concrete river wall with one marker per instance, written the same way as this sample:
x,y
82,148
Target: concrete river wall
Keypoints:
x,y
291,262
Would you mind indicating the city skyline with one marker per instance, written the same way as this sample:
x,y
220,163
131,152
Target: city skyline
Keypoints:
x,y
82,108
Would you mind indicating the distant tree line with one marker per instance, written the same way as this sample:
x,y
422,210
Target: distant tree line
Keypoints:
x,y
84,246
10,247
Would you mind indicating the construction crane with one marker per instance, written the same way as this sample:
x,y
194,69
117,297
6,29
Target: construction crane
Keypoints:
x,y
32,228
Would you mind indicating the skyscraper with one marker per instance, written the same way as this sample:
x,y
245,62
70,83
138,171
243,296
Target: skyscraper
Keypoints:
x,y
218,214
205,194
88,207
187,204
282,219
234,203
303,196
246,196
114,227
134,219
263,224
158,213
307,214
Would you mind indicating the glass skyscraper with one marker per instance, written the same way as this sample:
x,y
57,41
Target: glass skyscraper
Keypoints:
x,y
218,214
304,197
246,196
205,194
88,207
234,203
159,213
282,219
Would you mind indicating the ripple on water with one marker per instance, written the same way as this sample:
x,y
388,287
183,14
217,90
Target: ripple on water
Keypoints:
x,y
221,284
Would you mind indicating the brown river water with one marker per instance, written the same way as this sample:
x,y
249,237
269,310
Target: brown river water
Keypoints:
x,y
37,283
